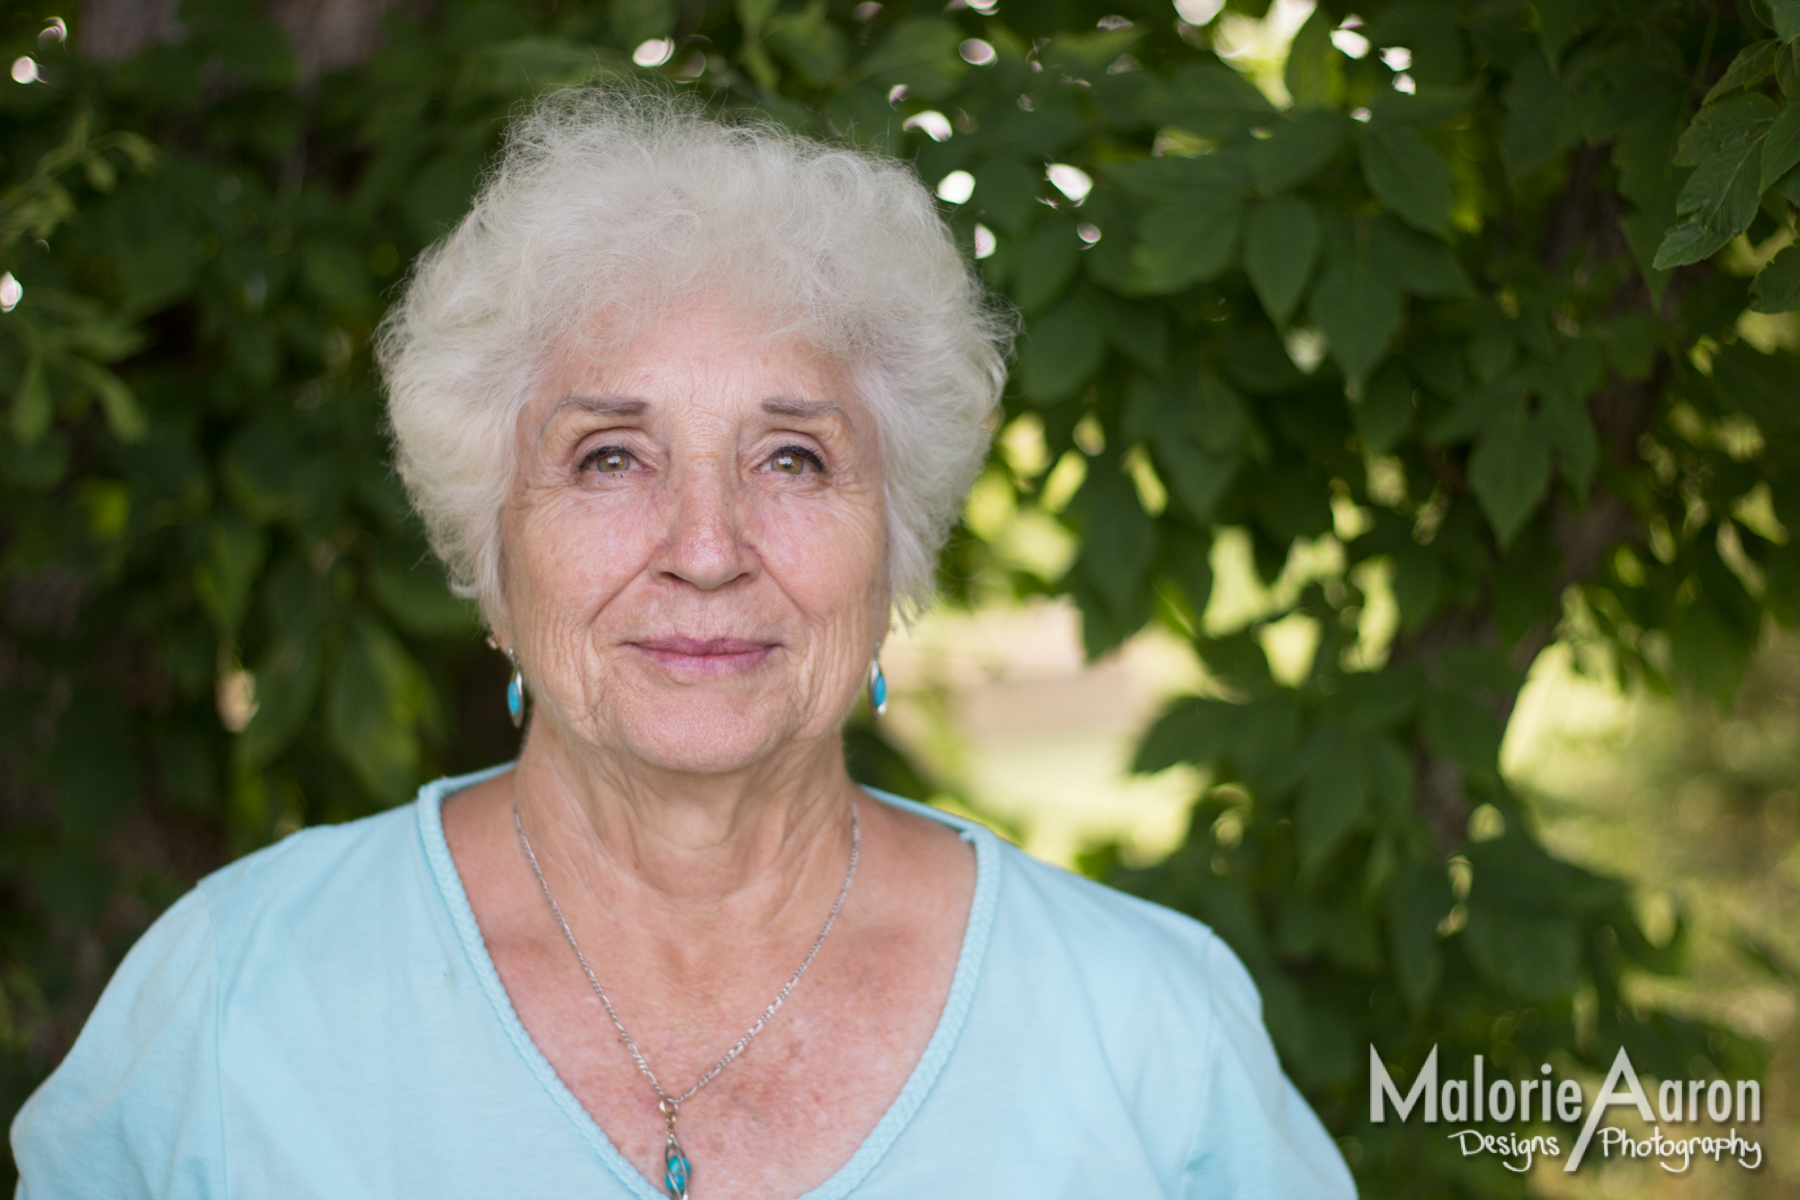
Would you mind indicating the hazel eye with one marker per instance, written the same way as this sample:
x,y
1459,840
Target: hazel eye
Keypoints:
x,y
794,460
609,460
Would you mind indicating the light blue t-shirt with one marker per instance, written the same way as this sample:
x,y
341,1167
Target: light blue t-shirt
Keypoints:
x,y
321,1019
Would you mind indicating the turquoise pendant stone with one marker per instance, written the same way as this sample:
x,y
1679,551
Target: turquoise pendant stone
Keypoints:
x,y
676,1171
515,698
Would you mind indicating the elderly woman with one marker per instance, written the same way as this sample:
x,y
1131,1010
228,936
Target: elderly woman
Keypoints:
x,y
689,408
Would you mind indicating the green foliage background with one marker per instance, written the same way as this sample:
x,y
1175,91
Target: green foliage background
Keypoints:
x,y
1538,413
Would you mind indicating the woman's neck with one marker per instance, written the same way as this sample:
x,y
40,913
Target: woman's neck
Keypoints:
x,y
754,849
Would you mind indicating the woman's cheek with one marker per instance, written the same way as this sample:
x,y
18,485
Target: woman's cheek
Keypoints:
x,y
832,548
600,541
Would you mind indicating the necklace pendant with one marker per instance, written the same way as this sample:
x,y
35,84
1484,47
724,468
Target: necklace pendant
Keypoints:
x,y
676,1169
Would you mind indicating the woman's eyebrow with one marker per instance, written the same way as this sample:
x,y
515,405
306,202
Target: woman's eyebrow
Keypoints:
x,y
780,406
609,406
600,406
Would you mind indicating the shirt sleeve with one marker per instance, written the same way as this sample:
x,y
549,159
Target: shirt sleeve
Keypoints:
x,y
1258,1138
134,1110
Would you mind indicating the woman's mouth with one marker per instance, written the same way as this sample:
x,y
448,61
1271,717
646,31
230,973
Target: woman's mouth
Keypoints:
x,y
705,656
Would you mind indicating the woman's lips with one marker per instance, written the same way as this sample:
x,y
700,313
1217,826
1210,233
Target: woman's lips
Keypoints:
x,y
707,656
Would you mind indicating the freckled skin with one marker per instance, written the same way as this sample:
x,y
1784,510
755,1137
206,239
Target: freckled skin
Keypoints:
x,y
693,586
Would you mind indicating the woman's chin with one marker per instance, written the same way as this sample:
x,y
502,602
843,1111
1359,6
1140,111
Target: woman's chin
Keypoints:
x,y
706,735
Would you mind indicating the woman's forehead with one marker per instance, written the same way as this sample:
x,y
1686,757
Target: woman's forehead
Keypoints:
x,y
698,357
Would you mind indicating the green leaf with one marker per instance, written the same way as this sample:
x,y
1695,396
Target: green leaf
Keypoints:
x,y
1708,649
1118,536
1721,197
1787,18
265,468
1432,31
753,15
1787,68
1460,730
1215,417
636,21
1781,147
1209,99
1559,23
1358,307
1281,243
1195,476
31,407
235,551
1418,584
1647,179
1417,902
1752,64
1543,117
1509,469
287,681
1425,106
1173,178
1536,957
1297,149
1408,176
92,763
1385,411
921,54
1266,750
810,42
1007,190
1777,286
1332,800
1049,263
1256,359
376,695
34,467
1314,70
1424,266
1190,731
338,274
1730,123
1186,242
1184,559
1082,51
416,597
1570,433
1140,332
1062,350
123,416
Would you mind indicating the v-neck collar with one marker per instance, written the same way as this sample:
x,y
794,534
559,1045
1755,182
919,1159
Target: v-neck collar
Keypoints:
x,y
893,1122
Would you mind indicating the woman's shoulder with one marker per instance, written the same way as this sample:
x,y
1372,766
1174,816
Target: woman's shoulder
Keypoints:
x,y
1168,1006
319,905
1091,924
319,868
1104,929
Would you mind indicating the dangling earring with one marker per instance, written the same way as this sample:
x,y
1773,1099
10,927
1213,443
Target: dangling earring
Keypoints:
x,y
515,687
877,686
515,692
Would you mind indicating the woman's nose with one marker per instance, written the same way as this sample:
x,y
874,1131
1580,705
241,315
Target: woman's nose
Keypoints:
x,y
705,545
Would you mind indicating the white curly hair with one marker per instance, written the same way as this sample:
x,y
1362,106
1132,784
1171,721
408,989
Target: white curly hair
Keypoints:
x,y
611,205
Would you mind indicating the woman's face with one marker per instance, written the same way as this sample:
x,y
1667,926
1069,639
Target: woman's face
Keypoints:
x,y
693,546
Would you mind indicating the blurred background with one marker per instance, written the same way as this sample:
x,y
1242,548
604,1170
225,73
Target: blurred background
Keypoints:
x,y
1698,806
1384,557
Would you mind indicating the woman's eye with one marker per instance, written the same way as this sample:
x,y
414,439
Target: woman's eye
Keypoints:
x,y
794,460
610,460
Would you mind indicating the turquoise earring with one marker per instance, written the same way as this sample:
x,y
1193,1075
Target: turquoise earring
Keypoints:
x,y
877,686
515,687
515,693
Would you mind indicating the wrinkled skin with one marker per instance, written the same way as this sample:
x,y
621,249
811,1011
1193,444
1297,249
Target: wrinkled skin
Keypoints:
x,y
693,586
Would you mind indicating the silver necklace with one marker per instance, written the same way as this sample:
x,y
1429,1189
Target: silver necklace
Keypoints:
x,y
677,1170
